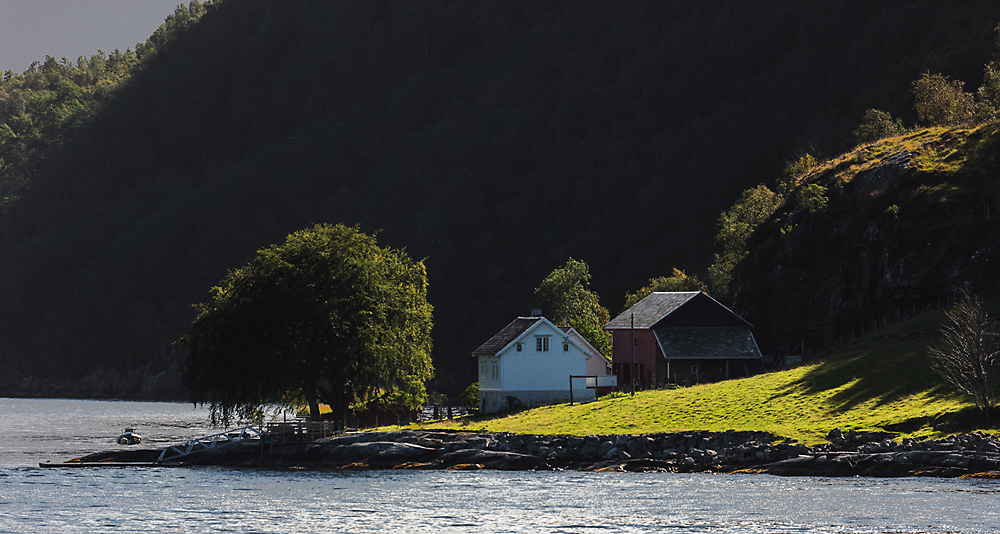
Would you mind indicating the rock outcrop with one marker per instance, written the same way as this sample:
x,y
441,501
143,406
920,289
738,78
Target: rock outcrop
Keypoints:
x,y
897,238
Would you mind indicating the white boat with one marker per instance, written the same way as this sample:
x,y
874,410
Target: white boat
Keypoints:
x,y
129,437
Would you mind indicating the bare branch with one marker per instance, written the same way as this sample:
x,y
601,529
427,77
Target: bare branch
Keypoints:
x,y
967,355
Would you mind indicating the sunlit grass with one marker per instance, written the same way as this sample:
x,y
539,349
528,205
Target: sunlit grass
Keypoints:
x,y
937,149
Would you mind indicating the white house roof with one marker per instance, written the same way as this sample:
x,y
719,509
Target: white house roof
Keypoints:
x,y
518,329
505,336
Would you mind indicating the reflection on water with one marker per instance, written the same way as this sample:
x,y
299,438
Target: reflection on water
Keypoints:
x,y
213,499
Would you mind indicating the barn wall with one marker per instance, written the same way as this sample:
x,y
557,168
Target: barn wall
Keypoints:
x,y
647,352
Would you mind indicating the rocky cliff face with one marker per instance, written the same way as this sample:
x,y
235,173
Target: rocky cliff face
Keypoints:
x,y
906,223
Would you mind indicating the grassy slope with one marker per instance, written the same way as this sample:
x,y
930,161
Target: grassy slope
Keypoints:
x,y
878,383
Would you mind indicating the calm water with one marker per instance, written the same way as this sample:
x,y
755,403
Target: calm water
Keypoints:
x,y
229,500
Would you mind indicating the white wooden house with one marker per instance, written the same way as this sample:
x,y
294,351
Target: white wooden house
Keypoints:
x,y
530,363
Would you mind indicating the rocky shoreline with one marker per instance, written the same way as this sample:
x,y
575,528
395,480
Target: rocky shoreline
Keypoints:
x,y
847,454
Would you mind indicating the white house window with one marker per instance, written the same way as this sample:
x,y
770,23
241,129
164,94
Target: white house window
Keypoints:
x,y
541,344
518,347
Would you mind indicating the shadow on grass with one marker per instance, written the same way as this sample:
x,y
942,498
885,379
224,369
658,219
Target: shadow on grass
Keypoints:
x,y
970,419
967,419
878,369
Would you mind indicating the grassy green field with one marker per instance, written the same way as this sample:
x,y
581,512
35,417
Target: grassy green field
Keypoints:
x,y
881,382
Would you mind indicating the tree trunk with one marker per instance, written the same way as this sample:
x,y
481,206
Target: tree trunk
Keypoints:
x,y
313,406
340,410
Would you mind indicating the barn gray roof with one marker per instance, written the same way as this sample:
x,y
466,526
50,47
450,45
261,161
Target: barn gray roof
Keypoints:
x,y
707,343
505,336
651,309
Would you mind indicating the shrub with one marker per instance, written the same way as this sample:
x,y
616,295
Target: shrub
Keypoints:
x,y
470,397
988,96
877,125
793,171
813,197
988,102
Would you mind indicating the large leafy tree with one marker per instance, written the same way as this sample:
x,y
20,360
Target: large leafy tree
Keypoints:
x,y
328,316
939,100
565,298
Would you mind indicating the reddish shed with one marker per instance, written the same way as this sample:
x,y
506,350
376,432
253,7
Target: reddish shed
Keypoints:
x,y
683,338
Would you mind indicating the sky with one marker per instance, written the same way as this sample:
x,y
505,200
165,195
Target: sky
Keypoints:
x,y
32,29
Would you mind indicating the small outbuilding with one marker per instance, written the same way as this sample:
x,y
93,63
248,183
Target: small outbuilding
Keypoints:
x,y
681,338
532,362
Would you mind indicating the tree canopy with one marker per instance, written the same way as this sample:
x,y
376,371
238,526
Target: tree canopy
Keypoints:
x,y
939,100
565,298
328,316
677,281
735,225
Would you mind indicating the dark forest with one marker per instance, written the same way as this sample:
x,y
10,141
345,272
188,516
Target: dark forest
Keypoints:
x,y
495,138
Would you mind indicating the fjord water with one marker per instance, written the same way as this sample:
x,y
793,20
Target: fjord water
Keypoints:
x,y
34,499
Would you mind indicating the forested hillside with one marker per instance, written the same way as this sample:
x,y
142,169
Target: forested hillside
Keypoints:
x,y
496,138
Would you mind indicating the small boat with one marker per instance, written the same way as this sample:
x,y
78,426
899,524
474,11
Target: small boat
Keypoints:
x,y
129,437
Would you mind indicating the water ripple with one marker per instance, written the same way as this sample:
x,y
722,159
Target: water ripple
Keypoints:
x,y
439,502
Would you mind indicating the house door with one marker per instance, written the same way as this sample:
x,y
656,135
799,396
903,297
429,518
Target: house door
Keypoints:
x,y
661,373
621,371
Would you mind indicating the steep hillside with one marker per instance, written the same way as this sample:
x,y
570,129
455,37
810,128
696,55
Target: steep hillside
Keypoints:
x,y
908,221
496,138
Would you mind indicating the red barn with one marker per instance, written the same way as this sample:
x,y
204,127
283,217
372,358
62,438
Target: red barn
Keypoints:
x,y
681,338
